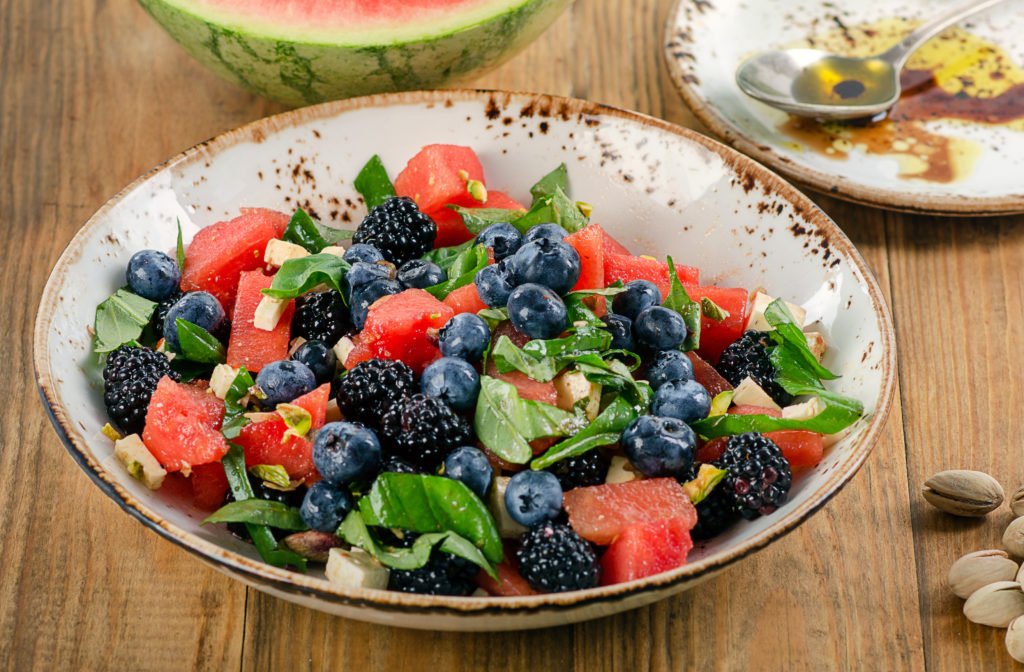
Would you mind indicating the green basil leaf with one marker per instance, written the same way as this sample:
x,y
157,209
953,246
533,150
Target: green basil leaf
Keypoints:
x,y
188,370
180,249
305,231
556,208
791,340
259,512
478,219
446,256
272,473
120,319
234,411
298,276
462,272
583,339
712,310
840,412
605,430
373,183
578,311
508,357
505,423
493,316
546,186
197,344
424,504
613,374
541,360
679,301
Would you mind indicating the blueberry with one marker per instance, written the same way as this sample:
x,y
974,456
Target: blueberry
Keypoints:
x,y
466,336
364,296
621,329
345,451
470,466
503,238
494,283
547,262
363,252
284,381
549,231
639,294
325,506
660,446
420,274
363,273
452,380
533,497
153,275
669,365
685,400
659,328
320,359
199,308
537,311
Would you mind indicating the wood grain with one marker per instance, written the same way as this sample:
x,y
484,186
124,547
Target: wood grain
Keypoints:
x,y
93,93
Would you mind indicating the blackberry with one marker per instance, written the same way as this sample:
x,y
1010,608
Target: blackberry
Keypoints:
x,y
129,379
444,574
372,388
321,316
554,559
423,430
579,472
291,498
397,465
759,476
160,314
749,356
715,513
398,229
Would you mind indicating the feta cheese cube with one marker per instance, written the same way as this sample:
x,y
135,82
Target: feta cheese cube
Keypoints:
x,y
573,387
336,250
749,393
621,471
333,412
268,313
508,528
343,348
355,569
140,463
295,345
761,302
280,251
816,342
221,379
804,411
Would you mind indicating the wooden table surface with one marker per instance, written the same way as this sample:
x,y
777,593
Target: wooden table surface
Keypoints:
x,y
93,93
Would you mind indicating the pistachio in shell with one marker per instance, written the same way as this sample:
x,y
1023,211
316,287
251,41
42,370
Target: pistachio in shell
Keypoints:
x,y
997,604
979,569
1017,504
1015,639
961,492
1013,538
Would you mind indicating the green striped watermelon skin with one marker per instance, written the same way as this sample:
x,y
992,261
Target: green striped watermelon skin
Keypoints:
x,y
303,73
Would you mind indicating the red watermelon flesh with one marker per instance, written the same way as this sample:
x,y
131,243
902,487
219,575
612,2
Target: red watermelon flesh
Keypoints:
x,y
612,246
465,300
209,486
716,336
183,426
397,328
218,254
645,550
265,442
509,582
589,243
707,375
626,268
431,178
600,513
800,448
450,228
251,347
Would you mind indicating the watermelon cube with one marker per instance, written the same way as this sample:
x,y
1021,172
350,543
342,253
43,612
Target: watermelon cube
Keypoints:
x,y
707,375
600,513
627,267
589,243
450,228
432,177
646,549
209,486
265,442
465,300
612,246
218,254
800,448
183,426
716,336
402,327
509,582
248,346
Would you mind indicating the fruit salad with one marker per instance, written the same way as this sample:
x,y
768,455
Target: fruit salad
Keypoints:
x,y
466,395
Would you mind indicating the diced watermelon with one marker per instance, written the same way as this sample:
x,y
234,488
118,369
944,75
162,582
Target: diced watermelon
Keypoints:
x,y
397,328
450,228
612,246
251,347
748,409
626,267
209,486
646,549
265,442
502,201
712,450
183,426
707,375
219,254
600,513
800,448
465,300
588,242
527,387
509,583
431,178
506,329
716,336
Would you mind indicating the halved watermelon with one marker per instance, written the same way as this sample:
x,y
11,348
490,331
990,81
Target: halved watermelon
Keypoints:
x,y
647,549
209,486
397,328
627,267
248,346
450,228
265,442
589,243
465,300
183,426
218,254
600,513
716,336
432,178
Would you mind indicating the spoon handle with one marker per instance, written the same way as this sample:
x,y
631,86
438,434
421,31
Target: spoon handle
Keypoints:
x,y
900,52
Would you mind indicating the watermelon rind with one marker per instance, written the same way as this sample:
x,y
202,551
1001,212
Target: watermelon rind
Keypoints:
x,y
302,67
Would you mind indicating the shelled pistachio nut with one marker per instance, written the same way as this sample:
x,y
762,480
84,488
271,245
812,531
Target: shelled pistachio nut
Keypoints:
x,y
1013,538
961,492
978,569
996,604
1015,639
1017,503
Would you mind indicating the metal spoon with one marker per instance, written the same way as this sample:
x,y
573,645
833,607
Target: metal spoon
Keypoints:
x,y
813,83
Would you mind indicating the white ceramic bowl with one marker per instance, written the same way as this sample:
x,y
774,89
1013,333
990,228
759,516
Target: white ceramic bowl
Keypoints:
x,y
658,188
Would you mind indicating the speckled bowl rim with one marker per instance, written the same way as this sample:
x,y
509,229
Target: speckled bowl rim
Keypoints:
x,y
291,582
831,184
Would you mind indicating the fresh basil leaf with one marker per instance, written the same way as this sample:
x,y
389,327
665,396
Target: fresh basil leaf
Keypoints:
x,y
120,319
180,249
259,512
462,272
578,310
541,360
296,418
605,430
505,423
305,231
424,504
556,208
188,370
840,412
234,410
446,256
373,183
197,344
679,301
272,473
583,339
546,186
509,357
613,374
790,339
493,316
712,310
354,531
478,219
298,276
